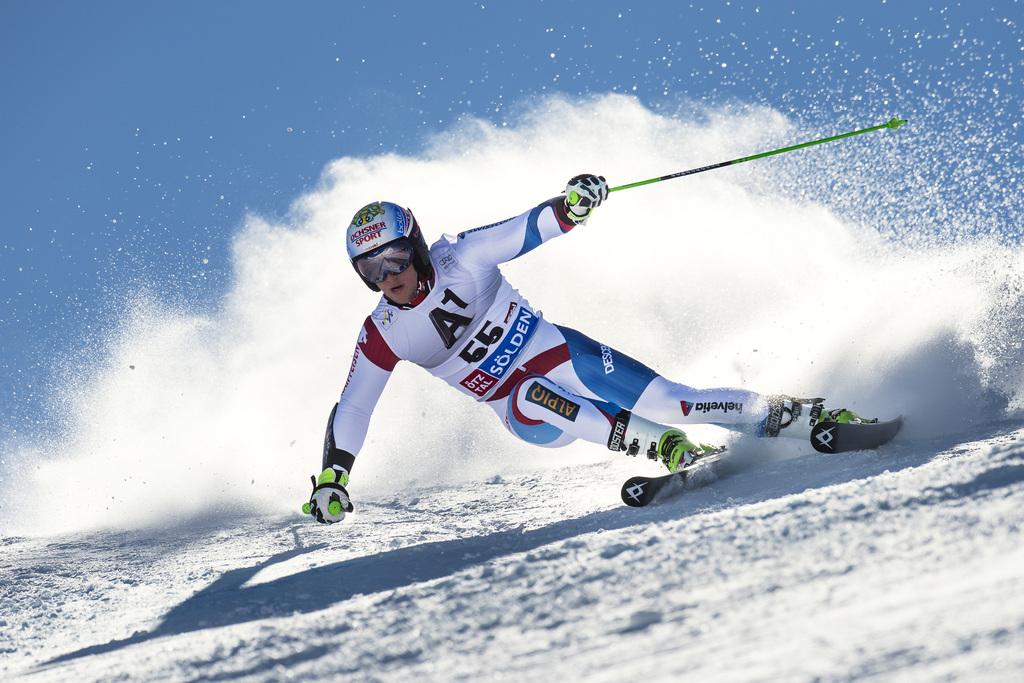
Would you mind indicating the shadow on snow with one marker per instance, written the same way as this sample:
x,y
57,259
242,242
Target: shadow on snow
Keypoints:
x,y
227,601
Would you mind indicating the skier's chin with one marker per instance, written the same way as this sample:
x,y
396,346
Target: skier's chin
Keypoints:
x,y
400,294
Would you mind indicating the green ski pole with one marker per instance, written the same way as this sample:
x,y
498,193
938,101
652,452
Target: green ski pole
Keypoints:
x,y
892,123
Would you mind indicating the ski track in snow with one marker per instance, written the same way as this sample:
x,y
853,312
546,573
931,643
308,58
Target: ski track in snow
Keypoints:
x,y
903,564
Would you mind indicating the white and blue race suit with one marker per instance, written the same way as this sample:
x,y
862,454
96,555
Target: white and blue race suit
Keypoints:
x,y
549,384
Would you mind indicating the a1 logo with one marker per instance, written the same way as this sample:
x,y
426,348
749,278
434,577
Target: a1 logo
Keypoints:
x,y
448,323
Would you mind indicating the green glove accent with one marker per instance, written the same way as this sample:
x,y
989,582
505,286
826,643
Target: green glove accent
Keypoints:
x,y
332,476
334,481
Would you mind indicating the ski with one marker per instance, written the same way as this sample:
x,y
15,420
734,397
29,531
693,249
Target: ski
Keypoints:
x,y
835,437
640,491
826,437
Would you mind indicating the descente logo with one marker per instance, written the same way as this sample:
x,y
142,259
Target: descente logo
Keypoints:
x,y
708,406
606,360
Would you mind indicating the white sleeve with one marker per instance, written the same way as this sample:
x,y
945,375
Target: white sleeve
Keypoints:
x,y
509,239
372,363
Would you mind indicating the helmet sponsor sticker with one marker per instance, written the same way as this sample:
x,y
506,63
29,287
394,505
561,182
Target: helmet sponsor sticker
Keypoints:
x,y
367,214
402,220
368,233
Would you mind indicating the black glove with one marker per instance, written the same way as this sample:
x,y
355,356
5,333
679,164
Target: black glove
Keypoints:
x,y
583,194
329,501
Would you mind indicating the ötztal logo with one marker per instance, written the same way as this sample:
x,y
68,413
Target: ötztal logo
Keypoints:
x,y
479,382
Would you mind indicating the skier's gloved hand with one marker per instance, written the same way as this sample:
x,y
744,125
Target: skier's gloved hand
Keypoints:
x,y
583,194
329,501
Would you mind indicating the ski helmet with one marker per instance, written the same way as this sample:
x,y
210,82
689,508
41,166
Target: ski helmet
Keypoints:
x,y
378,224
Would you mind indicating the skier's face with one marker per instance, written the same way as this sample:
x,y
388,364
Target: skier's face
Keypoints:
x,y
400,287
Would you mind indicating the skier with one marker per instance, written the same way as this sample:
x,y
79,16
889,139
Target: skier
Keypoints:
x,y
450,310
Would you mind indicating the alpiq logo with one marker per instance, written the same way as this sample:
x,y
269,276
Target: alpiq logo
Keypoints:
x,y
559,405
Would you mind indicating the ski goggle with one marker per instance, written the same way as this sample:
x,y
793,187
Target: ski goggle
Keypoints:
x,y
391,259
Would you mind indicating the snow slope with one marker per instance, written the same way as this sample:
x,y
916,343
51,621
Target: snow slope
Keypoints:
x,y
904,564
152,531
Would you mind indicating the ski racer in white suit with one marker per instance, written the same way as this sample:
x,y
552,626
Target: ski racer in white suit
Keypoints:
x,y
450,310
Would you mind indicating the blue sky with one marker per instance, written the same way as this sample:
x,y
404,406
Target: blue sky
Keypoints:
x,y
136,136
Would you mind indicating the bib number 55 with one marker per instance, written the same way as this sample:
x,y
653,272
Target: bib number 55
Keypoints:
x,y
473,353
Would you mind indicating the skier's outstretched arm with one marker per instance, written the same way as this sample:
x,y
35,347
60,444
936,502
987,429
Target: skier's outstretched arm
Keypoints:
x,y
509,239
372,363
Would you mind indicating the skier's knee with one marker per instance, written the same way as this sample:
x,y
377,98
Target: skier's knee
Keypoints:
x,y
524,418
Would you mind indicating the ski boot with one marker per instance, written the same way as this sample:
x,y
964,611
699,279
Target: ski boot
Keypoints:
x,y
796,417
677,451
671,446
844,416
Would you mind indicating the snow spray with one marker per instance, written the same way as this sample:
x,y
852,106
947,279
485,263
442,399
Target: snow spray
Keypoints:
x,y
812,274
